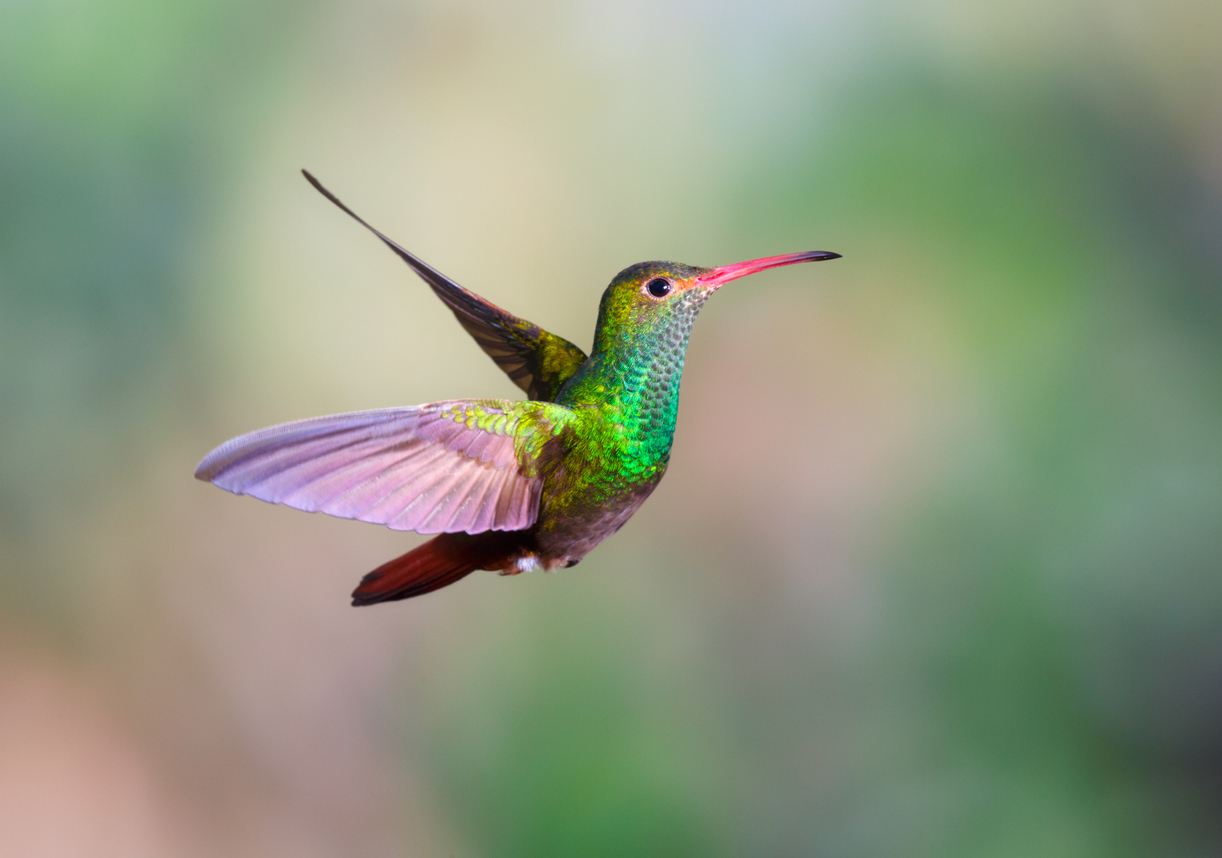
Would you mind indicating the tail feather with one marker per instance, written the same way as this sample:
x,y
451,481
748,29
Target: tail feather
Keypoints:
x,y
436,564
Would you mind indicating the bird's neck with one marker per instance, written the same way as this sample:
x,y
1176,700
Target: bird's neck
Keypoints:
x,y
634,383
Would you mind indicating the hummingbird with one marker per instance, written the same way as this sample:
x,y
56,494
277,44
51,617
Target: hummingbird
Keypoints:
x,y
507,485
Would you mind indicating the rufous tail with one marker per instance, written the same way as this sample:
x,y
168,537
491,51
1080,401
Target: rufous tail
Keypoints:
x,y
436,564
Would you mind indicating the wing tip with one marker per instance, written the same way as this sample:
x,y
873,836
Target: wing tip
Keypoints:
x,y
206,470
218,460
318,186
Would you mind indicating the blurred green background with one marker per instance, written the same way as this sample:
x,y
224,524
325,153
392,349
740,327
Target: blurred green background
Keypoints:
x,y
937,570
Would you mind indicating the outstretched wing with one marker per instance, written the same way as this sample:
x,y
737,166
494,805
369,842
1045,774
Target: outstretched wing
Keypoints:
x,y
446,467
538,362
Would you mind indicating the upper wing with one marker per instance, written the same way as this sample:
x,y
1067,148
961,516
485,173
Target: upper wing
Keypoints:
x,y
537,361
447,467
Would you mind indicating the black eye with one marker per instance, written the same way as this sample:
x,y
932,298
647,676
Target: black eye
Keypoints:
x,y
658,288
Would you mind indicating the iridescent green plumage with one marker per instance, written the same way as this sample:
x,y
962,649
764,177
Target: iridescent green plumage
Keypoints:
x,y
511,486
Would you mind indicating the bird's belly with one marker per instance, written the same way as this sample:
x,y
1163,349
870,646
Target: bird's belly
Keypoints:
x,y
569,532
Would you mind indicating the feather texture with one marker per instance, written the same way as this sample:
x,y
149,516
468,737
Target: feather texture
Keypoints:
x,y
538,362
446,467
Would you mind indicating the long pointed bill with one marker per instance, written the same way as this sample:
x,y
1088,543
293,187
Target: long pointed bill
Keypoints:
x,y
720,276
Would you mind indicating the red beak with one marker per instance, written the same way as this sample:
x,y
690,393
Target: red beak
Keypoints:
x,y
719,276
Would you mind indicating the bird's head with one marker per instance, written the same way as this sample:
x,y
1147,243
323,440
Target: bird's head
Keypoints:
x,y
661,299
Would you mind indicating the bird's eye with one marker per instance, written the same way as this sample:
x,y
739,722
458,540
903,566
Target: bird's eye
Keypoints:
x,y
658,287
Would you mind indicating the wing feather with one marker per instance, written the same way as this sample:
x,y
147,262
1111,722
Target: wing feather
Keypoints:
x,y
537,361
446,467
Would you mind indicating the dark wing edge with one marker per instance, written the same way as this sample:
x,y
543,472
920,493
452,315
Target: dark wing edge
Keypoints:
x,y
537,361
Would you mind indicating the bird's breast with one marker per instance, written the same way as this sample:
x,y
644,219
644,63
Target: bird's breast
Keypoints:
x,y
571,524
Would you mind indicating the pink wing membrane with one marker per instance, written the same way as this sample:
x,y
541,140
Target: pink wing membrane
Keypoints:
x,y
409,468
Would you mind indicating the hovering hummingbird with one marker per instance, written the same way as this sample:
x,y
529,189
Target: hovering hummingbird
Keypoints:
x,y
509,485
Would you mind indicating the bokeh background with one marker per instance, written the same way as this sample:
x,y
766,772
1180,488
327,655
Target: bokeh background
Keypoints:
x,y
937,569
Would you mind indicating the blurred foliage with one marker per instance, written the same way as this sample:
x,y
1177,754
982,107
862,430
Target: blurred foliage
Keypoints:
x,y
116,122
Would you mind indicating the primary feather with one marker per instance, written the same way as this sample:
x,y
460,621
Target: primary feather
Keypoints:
x,y
537,361
445,467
